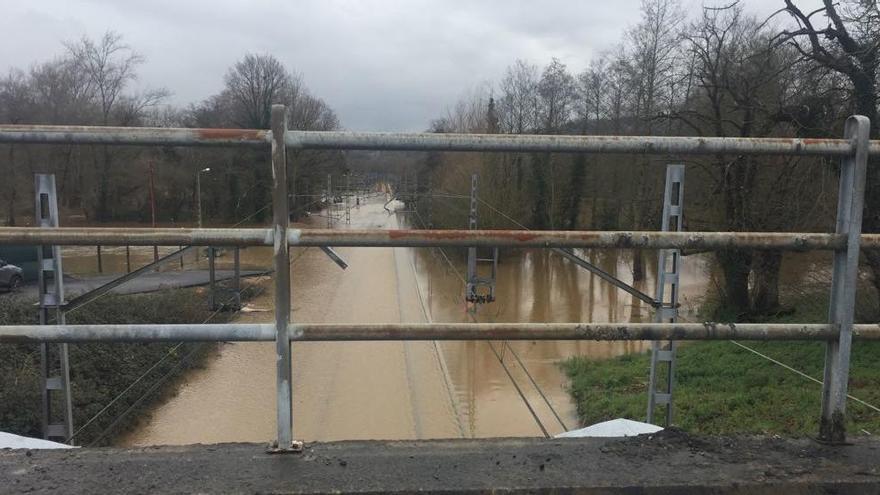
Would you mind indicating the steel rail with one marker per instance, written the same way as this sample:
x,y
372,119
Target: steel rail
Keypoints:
x,y
430,331
161,136
142,136
571,144
87,236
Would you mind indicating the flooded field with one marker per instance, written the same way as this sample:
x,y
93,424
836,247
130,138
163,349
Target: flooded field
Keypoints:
x,y
406,390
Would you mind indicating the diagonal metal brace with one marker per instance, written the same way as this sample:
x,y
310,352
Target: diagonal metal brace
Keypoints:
x,y
568,254
93,294
333,255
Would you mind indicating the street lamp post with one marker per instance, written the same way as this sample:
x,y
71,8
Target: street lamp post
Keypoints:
x,y
199,193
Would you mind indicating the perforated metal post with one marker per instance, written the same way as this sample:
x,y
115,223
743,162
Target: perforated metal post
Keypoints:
x,y
850,203
54,363
471,285
668,268
474,281
281,258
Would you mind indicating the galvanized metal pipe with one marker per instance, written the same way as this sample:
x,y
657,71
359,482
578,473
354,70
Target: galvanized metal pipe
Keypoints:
x,y
265,332
42,134
281,262
142,136
571,144
79,236
566,238
88,236
844,282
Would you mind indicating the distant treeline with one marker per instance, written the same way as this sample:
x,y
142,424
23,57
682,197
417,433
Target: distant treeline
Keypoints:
x,y
718,72
90,83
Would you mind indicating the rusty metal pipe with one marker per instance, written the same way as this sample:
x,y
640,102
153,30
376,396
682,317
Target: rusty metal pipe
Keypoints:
x,y
87,236
571,144
431,331
566,238
142,136
43,134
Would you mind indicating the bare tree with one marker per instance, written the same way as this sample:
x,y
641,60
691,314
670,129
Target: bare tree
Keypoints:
x,y
253,85
108,66
847,41
519,98
16,99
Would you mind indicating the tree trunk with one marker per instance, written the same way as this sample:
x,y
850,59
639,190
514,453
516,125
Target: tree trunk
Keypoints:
x,y
765,294
10,180
735,265
865,96
578,177
541,216
102,213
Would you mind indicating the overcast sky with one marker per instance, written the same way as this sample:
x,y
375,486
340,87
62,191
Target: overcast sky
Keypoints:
x,y
382,65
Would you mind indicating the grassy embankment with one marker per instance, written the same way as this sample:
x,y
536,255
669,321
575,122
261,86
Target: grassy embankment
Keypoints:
x,y
100,372
722,388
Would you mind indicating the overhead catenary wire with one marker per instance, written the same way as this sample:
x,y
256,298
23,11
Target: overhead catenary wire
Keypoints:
x,y
426,312
503,364
764,356
167,355
802,374
155,384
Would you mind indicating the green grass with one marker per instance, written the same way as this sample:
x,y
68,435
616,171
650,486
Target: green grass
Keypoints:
x,y
722,388
99,372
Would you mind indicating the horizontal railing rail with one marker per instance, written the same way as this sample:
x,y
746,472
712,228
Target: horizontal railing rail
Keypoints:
x,y
390,141
300,332
846,242
87,236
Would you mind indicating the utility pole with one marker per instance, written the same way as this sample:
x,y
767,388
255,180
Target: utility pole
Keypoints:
x,y
474,281
668,270
199,193
471,287
54,358
330,201
348,198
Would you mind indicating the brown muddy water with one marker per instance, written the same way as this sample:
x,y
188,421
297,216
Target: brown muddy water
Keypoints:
x,y
408,390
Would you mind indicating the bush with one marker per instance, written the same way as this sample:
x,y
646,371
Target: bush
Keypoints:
x,y
100,372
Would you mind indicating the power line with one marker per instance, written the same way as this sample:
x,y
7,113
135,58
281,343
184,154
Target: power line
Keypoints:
x,y
160,361
504,366
427,314
158,382
535,384
801,373
754,351
519,391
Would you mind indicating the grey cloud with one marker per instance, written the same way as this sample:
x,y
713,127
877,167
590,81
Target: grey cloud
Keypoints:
x,y
383,65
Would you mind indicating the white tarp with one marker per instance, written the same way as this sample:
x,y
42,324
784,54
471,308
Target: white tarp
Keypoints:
x,y
10,441
615,428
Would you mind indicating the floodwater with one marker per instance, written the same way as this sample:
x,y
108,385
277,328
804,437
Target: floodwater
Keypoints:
x,y
408,390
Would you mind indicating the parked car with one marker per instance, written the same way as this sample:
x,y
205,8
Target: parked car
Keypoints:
x,y
11,276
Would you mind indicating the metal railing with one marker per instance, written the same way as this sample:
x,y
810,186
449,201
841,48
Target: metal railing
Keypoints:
x,y
846,242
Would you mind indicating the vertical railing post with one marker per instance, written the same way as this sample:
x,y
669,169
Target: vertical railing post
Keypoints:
x,y
281,258
841,311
